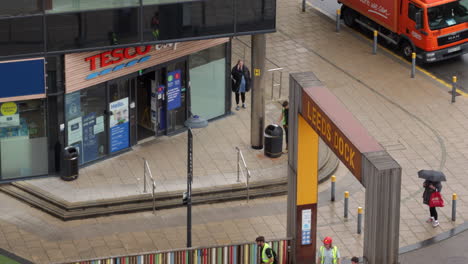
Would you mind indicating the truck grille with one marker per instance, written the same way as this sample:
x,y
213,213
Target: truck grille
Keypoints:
x,y
452,38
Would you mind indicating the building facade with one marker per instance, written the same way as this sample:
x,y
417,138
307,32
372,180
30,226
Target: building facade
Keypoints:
x,y
105,75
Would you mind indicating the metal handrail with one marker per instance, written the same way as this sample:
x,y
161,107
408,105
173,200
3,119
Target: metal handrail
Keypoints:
x,y
145,169
240,157
273,84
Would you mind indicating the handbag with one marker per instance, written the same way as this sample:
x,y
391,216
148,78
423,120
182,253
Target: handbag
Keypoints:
x,y
436,200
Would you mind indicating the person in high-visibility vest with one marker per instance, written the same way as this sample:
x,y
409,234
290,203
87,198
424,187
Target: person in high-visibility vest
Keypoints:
x,y
268,254
327,253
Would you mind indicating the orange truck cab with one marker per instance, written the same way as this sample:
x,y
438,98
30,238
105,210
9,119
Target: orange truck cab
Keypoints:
x,y
434,29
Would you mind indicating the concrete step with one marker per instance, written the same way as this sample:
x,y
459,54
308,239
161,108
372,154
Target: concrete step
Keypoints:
x,y
66,210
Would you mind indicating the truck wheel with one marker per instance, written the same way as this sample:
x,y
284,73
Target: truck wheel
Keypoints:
x,y
406,49
349,16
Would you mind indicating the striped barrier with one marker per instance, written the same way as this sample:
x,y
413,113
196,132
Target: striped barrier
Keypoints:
x,y
230,254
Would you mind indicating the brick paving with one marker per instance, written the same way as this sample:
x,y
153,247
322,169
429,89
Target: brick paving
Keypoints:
x,y
412,118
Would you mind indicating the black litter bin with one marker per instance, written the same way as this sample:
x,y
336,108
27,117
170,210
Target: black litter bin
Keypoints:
x,y
273,141
70,163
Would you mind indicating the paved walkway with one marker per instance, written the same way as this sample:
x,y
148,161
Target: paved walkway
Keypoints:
x,y
412,118
215,163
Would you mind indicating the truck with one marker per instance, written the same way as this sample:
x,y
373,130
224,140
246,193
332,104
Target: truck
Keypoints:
x,y
433,29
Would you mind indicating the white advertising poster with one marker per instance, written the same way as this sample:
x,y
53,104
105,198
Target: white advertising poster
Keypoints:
x,y
75,131
99,126
10,120
119,111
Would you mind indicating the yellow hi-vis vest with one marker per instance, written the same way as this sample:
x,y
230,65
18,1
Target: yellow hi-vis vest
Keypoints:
x,y
334,250
265,258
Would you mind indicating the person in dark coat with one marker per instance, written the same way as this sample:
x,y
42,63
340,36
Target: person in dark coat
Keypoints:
x,y
240,80
429,188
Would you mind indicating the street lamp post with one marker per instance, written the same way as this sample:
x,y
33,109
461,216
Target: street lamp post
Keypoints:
x,y
193,122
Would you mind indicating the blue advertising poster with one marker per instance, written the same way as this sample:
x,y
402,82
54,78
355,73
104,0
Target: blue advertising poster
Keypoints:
x,y
173,89
119,125
72,105
90,146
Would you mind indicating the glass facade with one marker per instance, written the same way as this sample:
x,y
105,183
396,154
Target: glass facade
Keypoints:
x,y
208,82
21,35
86,122
70,25
23,134
59,6
92,29
20,7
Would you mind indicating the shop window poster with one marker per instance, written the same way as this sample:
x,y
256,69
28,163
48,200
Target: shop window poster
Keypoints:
x,y
173,89
119,125
90,144
9,115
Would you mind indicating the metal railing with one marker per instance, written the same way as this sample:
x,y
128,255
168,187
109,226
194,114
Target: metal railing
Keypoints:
x,y
147,171
240,157
245,253
273,84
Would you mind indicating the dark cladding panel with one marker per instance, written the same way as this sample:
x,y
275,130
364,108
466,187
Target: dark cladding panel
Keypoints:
x,y
21,35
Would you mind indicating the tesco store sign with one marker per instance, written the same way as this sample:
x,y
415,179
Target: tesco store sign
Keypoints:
x,y
123,57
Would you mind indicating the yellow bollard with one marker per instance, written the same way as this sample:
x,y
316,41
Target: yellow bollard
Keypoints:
x,y
333,180
454,206
346,199
359,220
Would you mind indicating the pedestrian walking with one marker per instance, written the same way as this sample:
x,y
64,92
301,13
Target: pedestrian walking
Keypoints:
x,y
240,81
354,260
268,254
284,120
328,254
431,196
429,188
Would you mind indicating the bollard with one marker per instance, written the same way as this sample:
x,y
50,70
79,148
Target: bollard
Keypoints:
x,y
413,64
333,180
454,206
359,219
374,48
454,88
346,198
303,5
338,15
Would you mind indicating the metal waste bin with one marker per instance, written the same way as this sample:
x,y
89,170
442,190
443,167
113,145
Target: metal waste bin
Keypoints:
x,y
273,141
70,163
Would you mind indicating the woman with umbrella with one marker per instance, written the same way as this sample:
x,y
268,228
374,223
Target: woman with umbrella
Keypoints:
x,y
431,184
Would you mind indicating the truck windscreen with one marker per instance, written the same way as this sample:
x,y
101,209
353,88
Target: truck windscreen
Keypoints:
x,y
447,15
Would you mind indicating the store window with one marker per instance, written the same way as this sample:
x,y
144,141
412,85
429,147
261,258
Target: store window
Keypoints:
x,y
57,6
85,115
208,82
23,140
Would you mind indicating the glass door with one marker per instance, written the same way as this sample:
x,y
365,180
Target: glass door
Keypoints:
x,y
119,123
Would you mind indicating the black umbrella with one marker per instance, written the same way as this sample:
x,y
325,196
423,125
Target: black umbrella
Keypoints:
x,y
432,175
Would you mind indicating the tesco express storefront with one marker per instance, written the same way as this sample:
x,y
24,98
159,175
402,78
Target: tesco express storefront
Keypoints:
x,y
117,98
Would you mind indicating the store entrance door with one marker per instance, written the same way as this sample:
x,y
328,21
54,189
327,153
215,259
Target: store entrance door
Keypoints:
x,y
151,100
161,100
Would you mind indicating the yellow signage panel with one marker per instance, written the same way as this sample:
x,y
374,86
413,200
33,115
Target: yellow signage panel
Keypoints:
x,y
257,72
307,163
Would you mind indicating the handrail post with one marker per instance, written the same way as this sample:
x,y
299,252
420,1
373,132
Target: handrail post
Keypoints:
x,y
144,175
154,202
248,195
280,84
272,83
238,164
